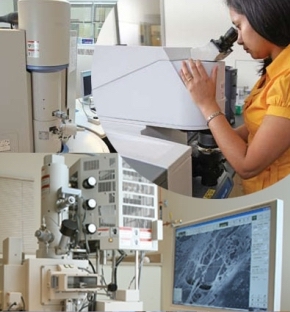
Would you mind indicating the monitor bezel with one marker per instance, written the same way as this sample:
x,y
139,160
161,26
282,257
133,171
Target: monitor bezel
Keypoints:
x,y
84,74
275,261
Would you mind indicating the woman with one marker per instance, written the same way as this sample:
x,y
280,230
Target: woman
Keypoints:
x,y
259,150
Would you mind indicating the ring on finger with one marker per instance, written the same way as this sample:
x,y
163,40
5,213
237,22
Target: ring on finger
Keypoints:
x,y
189,79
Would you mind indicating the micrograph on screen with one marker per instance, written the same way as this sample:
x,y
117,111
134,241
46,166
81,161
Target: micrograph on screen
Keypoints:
x,y
216,271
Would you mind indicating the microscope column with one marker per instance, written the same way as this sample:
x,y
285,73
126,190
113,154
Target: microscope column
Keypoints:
x,y
54,175
47,27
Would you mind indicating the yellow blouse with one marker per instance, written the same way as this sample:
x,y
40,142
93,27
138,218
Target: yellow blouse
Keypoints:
x,y
270,96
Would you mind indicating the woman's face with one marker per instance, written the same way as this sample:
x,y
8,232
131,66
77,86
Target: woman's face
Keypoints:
x,y
252,42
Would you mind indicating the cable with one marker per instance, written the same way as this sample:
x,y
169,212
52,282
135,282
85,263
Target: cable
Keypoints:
x,y
84,269
84,305
86,238
88,129
90,299
77,233
83,107
23,302
11,305
92,266
90,108
103,280
119,260
142,256
140,268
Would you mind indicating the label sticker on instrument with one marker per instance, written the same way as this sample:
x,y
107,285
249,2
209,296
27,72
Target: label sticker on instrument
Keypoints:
x,y
32,47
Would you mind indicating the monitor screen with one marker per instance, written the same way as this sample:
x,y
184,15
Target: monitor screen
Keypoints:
x,y
231,261
86,84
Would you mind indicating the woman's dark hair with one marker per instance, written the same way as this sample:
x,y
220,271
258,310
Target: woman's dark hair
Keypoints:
x,y
269,18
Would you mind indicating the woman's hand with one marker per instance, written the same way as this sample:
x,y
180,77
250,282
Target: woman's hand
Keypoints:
x,y
201,86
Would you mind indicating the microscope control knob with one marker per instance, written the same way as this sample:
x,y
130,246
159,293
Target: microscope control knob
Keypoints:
x,y
91,228
90,204
89,183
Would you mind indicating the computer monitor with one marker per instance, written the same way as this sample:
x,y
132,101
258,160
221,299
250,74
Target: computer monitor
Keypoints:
x,y
86,84
230,261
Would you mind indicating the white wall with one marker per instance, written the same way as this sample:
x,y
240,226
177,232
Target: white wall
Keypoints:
x,y
187,209
131,14
6,7
108,34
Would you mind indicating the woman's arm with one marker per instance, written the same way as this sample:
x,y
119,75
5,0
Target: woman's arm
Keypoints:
x,y
243,132
270,142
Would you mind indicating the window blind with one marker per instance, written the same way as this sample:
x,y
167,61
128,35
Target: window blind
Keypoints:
x,y
17,212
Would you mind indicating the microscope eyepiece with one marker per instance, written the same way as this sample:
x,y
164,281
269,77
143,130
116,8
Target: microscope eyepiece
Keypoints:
x,y
231,36
224,43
